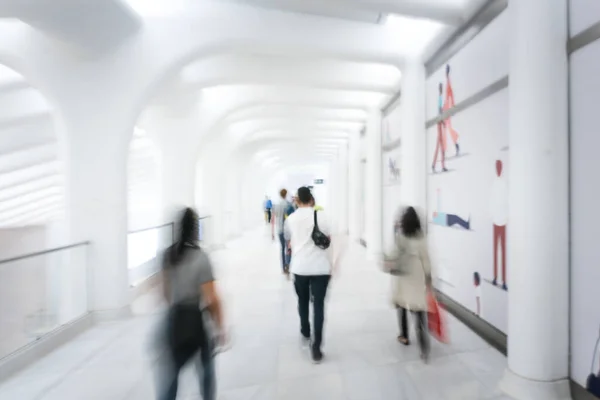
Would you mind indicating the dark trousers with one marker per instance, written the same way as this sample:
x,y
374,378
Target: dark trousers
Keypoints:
x,y
169,365
421,328
317,285
268,216
285,258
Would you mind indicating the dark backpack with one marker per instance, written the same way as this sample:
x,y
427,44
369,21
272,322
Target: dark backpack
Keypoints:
x,y
186,331
320,239
289,210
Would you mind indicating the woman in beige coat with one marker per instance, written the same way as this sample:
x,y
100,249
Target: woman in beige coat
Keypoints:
x,y
411,267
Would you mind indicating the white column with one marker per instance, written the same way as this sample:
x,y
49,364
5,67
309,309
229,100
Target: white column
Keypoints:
x,y
373,188
65,280
214,188
412,129
538,235
342,189
234,193
332,190
354,187
98,205
172,132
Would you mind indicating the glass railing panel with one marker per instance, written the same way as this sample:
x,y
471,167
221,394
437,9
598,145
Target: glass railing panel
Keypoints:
x,y
144,248
40,293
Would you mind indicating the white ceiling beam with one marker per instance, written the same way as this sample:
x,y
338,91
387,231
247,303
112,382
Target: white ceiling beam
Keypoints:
x,y
290,104
27,101
38,217
322,9
30,197
13,86
298,122
31,209
296,135
17,176
32,204
30,186
98,25
310,83
432,10
289,71
436,11
42,219
288,110
22,158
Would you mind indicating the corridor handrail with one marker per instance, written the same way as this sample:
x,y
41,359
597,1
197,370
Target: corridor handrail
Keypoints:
x,y
151,228
41,253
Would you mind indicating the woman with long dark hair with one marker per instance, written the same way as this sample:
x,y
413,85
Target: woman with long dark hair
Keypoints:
x,y
412,278
189,288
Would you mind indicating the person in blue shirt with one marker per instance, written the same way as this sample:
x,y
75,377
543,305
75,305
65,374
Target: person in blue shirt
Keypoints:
x,y
280,213
268,209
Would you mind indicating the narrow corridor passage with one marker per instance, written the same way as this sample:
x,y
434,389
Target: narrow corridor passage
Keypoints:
x,y
113,361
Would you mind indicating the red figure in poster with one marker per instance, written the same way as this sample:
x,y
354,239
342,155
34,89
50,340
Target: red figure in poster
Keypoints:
x,y
448,104
440,146
499,211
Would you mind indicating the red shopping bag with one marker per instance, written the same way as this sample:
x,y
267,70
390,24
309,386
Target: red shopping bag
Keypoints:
x,y
436,324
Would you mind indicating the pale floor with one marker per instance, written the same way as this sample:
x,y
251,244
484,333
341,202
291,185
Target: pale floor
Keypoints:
x,y
266,362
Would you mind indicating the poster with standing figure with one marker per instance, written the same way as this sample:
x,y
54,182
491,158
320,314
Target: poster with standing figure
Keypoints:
x,y
499,212
444,127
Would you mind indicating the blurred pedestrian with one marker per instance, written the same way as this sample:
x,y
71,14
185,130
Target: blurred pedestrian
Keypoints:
x,y
268,206
189,288
310,266
411,269
280,213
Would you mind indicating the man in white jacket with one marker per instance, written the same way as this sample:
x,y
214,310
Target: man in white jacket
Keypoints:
x,y
311,267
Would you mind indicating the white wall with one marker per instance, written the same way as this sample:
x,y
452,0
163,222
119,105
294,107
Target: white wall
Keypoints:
x,y
483,61
466,190
364,212
585,220
582,15
392,185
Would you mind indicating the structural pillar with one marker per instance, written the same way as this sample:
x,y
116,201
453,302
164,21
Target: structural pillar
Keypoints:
x,y
354,187
538,234
171,132
342,193
413,160
98,207
374,206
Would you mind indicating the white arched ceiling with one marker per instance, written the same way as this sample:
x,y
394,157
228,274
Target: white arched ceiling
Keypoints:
x,y
450,12
31,170
226,109
290,71
265,69
291,110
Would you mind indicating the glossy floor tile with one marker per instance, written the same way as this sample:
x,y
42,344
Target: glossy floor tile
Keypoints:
x,y
115,361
